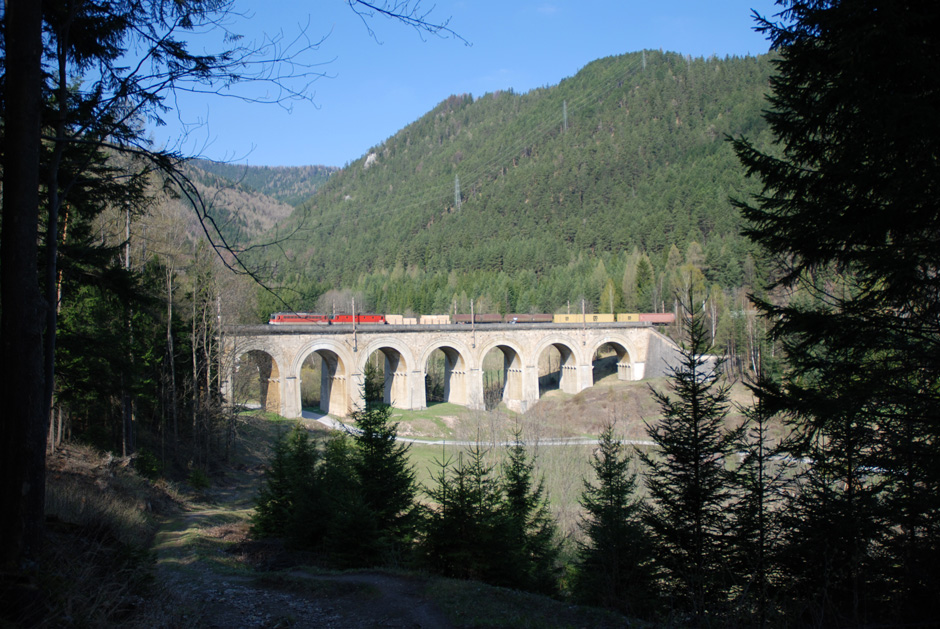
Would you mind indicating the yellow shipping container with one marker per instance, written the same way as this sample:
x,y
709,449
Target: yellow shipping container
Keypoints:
x,y
577,318
624,317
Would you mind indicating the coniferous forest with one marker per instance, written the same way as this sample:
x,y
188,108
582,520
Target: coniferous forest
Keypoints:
x,y
598,189
783,206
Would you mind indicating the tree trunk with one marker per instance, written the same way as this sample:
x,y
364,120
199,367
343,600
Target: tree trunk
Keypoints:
x,y
52,286
24,427
195,382
171,360
127,384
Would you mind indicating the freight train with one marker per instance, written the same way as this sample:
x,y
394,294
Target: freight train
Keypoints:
x,y
282,318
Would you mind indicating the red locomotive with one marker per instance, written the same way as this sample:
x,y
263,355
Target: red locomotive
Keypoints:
x,y
281,318
363,318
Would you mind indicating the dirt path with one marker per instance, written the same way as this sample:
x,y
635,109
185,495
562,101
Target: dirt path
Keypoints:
x,y
214,582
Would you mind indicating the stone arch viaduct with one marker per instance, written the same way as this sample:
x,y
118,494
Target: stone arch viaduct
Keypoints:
x,y
641,352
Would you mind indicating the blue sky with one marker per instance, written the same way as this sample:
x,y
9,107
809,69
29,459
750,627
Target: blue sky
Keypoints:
x,y
375,86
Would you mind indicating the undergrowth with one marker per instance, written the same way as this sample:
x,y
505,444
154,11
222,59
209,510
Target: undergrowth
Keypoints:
x,y
96,569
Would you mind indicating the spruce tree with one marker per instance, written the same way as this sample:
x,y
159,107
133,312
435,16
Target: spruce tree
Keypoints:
x,y
688,483
386,482
615,560
848,210
465,533
348,536
763,480
289,487
529,522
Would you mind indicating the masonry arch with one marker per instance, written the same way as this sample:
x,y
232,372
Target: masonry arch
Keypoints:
x,y
256,379
330,363
557,360
393,370
613,356
502,370
446,368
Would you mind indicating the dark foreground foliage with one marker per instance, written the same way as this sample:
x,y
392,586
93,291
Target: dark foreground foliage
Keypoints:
x,y
352,499
492,525
848,210
615,568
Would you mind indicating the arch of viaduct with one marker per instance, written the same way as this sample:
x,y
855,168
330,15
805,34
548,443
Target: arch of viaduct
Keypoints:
x,y
641,353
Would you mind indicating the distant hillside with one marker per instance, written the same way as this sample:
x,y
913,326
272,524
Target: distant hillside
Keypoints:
x,y
246,201
602,187
287,184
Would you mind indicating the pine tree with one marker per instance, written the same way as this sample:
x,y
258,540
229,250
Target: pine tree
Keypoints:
x,y
645,286
689,485
290,481
615,559
762,479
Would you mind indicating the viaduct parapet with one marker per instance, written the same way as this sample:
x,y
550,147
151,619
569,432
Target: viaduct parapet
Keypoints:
x,y
279,351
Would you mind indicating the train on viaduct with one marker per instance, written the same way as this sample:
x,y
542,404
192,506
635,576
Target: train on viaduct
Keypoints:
x,y
278,353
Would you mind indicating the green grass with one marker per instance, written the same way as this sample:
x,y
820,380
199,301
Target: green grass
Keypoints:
x,y
424,460
438,421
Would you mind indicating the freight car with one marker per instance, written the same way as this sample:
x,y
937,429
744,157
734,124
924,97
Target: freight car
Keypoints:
x,y
586,318
657,317
528,318
621,317
478,318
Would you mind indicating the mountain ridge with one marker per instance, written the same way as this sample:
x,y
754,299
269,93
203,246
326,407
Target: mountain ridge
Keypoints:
x,y
629,153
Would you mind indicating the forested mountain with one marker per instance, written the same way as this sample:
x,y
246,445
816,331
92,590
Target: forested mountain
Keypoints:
x,y
288,184
245,201
602,187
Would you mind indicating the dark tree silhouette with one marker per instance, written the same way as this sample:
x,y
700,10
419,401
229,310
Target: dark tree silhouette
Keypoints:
x,y
615,566
688,482
530,525
848,209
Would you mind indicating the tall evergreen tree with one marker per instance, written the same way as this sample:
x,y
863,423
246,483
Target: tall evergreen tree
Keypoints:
x,y
689,485
529,522
464,535
289,481
835,526
762,479
386,482
615,565
850,197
